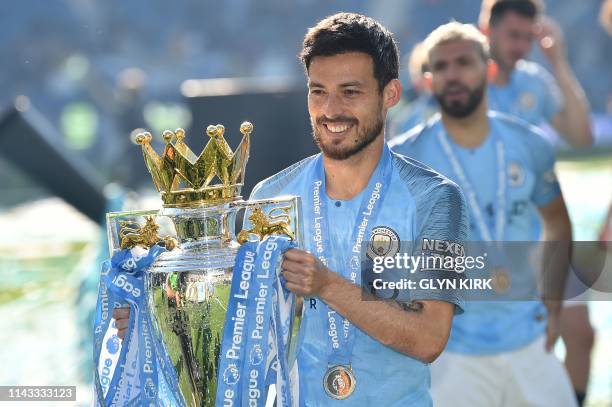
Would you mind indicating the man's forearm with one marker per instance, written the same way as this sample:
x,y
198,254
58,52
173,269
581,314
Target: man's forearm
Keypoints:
x,y
556,262
421,333
574,120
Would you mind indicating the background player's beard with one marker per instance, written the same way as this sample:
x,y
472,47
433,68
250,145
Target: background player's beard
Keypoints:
x,y
364,138
460,110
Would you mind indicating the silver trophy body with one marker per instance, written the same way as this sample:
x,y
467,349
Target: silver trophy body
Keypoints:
x,y
188,287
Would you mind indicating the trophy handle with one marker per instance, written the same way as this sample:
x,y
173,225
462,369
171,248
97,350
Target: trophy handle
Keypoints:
x,y
128,229
265,217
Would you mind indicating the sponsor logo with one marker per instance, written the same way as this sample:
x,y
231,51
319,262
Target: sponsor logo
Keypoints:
x,y
384,242
443,247
516,174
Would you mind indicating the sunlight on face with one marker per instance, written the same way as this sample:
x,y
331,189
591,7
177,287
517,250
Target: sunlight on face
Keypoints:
x,y
345,103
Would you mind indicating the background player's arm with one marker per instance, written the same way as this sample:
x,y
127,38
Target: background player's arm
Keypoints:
x,y
573,121
558,234
420,332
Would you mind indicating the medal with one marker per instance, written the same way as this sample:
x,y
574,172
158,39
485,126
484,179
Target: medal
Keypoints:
x,y
339,382
470,193
500,280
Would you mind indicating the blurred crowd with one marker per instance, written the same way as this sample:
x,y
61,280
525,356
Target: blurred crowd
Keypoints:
x,y
98,70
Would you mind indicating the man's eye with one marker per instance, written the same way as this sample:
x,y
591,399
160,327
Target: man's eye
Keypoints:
x,y
351,92
316,92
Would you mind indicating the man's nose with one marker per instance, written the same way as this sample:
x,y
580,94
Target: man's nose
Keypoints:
x,y
451,74
522,47
333,105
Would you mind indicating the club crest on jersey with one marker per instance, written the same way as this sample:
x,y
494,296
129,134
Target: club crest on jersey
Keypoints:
x,y
384,241
516,174
527,100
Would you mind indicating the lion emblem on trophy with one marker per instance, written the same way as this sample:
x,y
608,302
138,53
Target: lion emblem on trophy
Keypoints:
x,y
132,235
264,224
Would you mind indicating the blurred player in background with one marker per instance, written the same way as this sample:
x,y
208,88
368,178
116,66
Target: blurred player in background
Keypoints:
x,y
525,89
605,16
499,352
424,106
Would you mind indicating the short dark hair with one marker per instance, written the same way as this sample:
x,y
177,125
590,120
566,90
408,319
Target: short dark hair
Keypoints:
x,y
350,32
525,8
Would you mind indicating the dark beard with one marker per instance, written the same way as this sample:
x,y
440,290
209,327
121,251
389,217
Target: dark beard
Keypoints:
x,y
364,139
458,110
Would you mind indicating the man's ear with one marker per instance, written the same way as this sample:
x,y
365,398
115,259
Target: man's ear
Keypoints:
x,y
392,93
428,81
492,70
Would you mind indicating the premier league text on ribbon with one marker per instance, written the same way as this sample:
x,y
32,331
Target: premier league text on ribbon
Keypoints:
x,y
367,213
318,232
243,295
251,336
238,321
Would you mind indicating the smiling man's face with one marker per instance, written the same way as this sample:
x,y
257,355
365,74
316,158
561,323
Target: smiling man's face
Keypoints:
x,y
345,104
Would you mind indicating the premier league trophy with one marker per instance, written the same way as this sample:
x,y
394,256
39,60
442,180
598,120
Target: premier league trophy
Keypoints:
x,y
188,285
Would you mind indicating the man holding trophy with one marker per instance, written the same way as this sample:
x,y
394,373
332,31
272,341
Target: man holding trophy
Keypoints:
x,y
356,189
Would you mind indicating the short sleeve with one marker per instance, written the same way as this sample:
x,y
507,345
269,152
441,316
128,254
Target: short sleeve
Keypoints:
x,y
442,234
546,187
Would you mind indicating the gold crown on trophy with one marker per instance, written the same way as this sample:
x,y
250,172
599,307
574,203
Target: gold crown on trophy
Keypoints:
x,y
184,179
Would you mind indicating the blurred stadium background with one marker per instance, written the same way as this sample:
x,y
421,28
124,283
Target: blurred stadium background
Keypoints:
x,y
78,76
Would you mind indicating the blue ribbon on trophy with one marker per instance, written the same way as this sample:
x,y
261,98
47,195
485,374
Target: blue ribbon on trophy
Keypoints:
x,y
257,327
257,330
126,373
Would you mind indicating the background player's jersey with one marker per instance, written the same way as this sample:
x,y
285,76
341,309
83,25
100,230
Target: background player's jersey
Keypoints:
x,y
418,203
531,94
417,111
492,327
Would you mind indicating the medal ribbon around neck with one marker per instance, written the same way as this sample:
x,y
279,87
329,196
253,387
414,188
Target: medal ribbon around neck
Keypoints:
x,y
498,272
340,348
470,192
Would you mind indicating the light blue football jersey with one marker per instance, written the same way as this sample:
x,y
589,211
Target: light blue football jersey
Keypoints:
x,y
414,113
418,203
531,94
492,327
